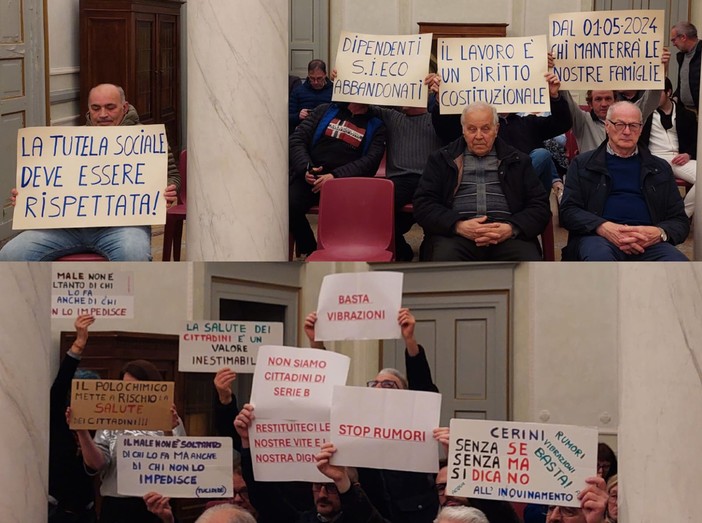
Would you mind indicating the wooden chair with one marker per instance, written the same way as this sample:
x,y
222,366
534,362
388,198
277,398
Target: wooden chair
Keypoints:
x,y
175,216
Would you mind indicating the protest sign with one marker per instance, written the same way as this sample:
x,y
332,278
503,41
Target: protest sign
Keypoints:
x,y
523,462
507,73
385,428
121,405
90,176
175,467
284,450
103,293
608,49
296,384
207,346
382,70
359,306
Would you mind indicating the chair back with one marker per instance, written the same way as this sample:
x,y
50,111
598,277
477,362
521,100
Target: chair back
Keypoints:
x,y
356,213
183,168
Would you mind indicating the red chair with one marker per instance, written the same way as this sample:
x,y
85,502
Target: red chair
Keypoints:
x,y
548,243
83,257
175,216
356,221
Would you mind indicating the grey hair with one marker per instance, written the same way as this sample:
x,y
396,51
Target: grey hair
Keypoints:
x,y
236,514
619,105
686,28
479,106
461,515
397,374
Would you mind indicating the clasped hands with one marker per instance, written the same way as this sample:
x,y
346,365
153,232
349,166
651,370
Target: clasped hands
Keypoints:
x,y
483,232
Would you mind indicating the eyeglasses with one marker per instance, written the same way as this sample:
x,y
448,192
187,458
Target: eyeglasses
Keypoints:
x,y
243,492
633,127
329,487
385,384
441,488
566,512
603,466
673,38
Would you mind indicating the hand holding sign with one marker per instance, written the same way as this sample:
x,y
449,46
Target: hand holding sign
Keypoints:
x,y
593,499
338,474
243,422
223,383
310,321
81,324
159,506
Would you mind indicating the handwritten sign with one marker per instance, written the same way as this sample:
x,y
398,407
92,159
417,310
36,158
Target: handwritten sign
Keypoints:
x,y
121,405
523,462
90,176
207,346
296,384
174,467
102,293
385,429
381,69
608,49
284,450
507,73
359,306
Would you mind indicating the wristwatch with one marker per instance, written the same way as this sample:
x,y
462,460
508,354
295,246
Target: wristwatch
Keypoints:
x,y
664,235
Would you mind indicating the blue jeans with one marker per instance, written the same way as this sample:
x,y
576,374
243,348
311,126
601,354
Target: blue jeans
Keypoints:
x,y
114,243
545,169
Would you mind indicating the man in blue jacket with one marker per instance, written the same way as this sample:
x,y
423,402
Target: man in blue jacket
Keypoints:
x,y
620,202
314,91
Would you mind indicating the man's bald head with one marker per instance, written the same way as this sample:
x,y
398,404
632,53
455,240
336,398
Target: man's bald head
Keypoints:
x,y
107,104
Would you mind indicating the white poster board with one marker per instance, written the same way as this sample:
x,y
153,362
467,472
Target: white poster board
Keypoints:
x,y
523,462
359,306
608,49
382,69
175,467
296,384
507,73
207,346
385,428
91,176
104,293
284,450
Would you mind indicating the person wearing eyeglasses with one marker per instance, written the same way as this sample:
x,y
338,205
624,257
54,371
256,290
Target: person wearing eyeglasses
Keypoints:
x,y
342,500
315,90
683,35
620,202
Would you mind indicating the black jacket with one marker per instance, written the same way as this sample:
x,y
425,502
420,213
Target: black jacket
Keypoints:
x,y
524,133
694,74
685,126
526,197
588,187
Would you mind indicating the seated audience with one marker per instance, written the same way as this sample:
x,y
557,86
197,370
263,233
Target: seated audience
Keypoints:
x,y
479,199
589,126
314,91
460,514
671,133
612,501
337,140
620,202
107,106
525,133
71,492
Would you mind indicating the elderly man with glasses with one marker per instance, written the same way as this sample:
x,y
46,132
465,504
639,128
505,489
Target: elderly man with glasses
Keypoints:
x,y
621,203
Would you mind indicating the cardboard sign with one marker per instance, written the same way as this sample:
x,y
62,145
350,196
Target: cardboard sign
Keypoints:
x,y
175,467
207,346
523,462
507,73
359,306
284,450
381,69
91,176
121,405
385,428
103,293
608,49
296,384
